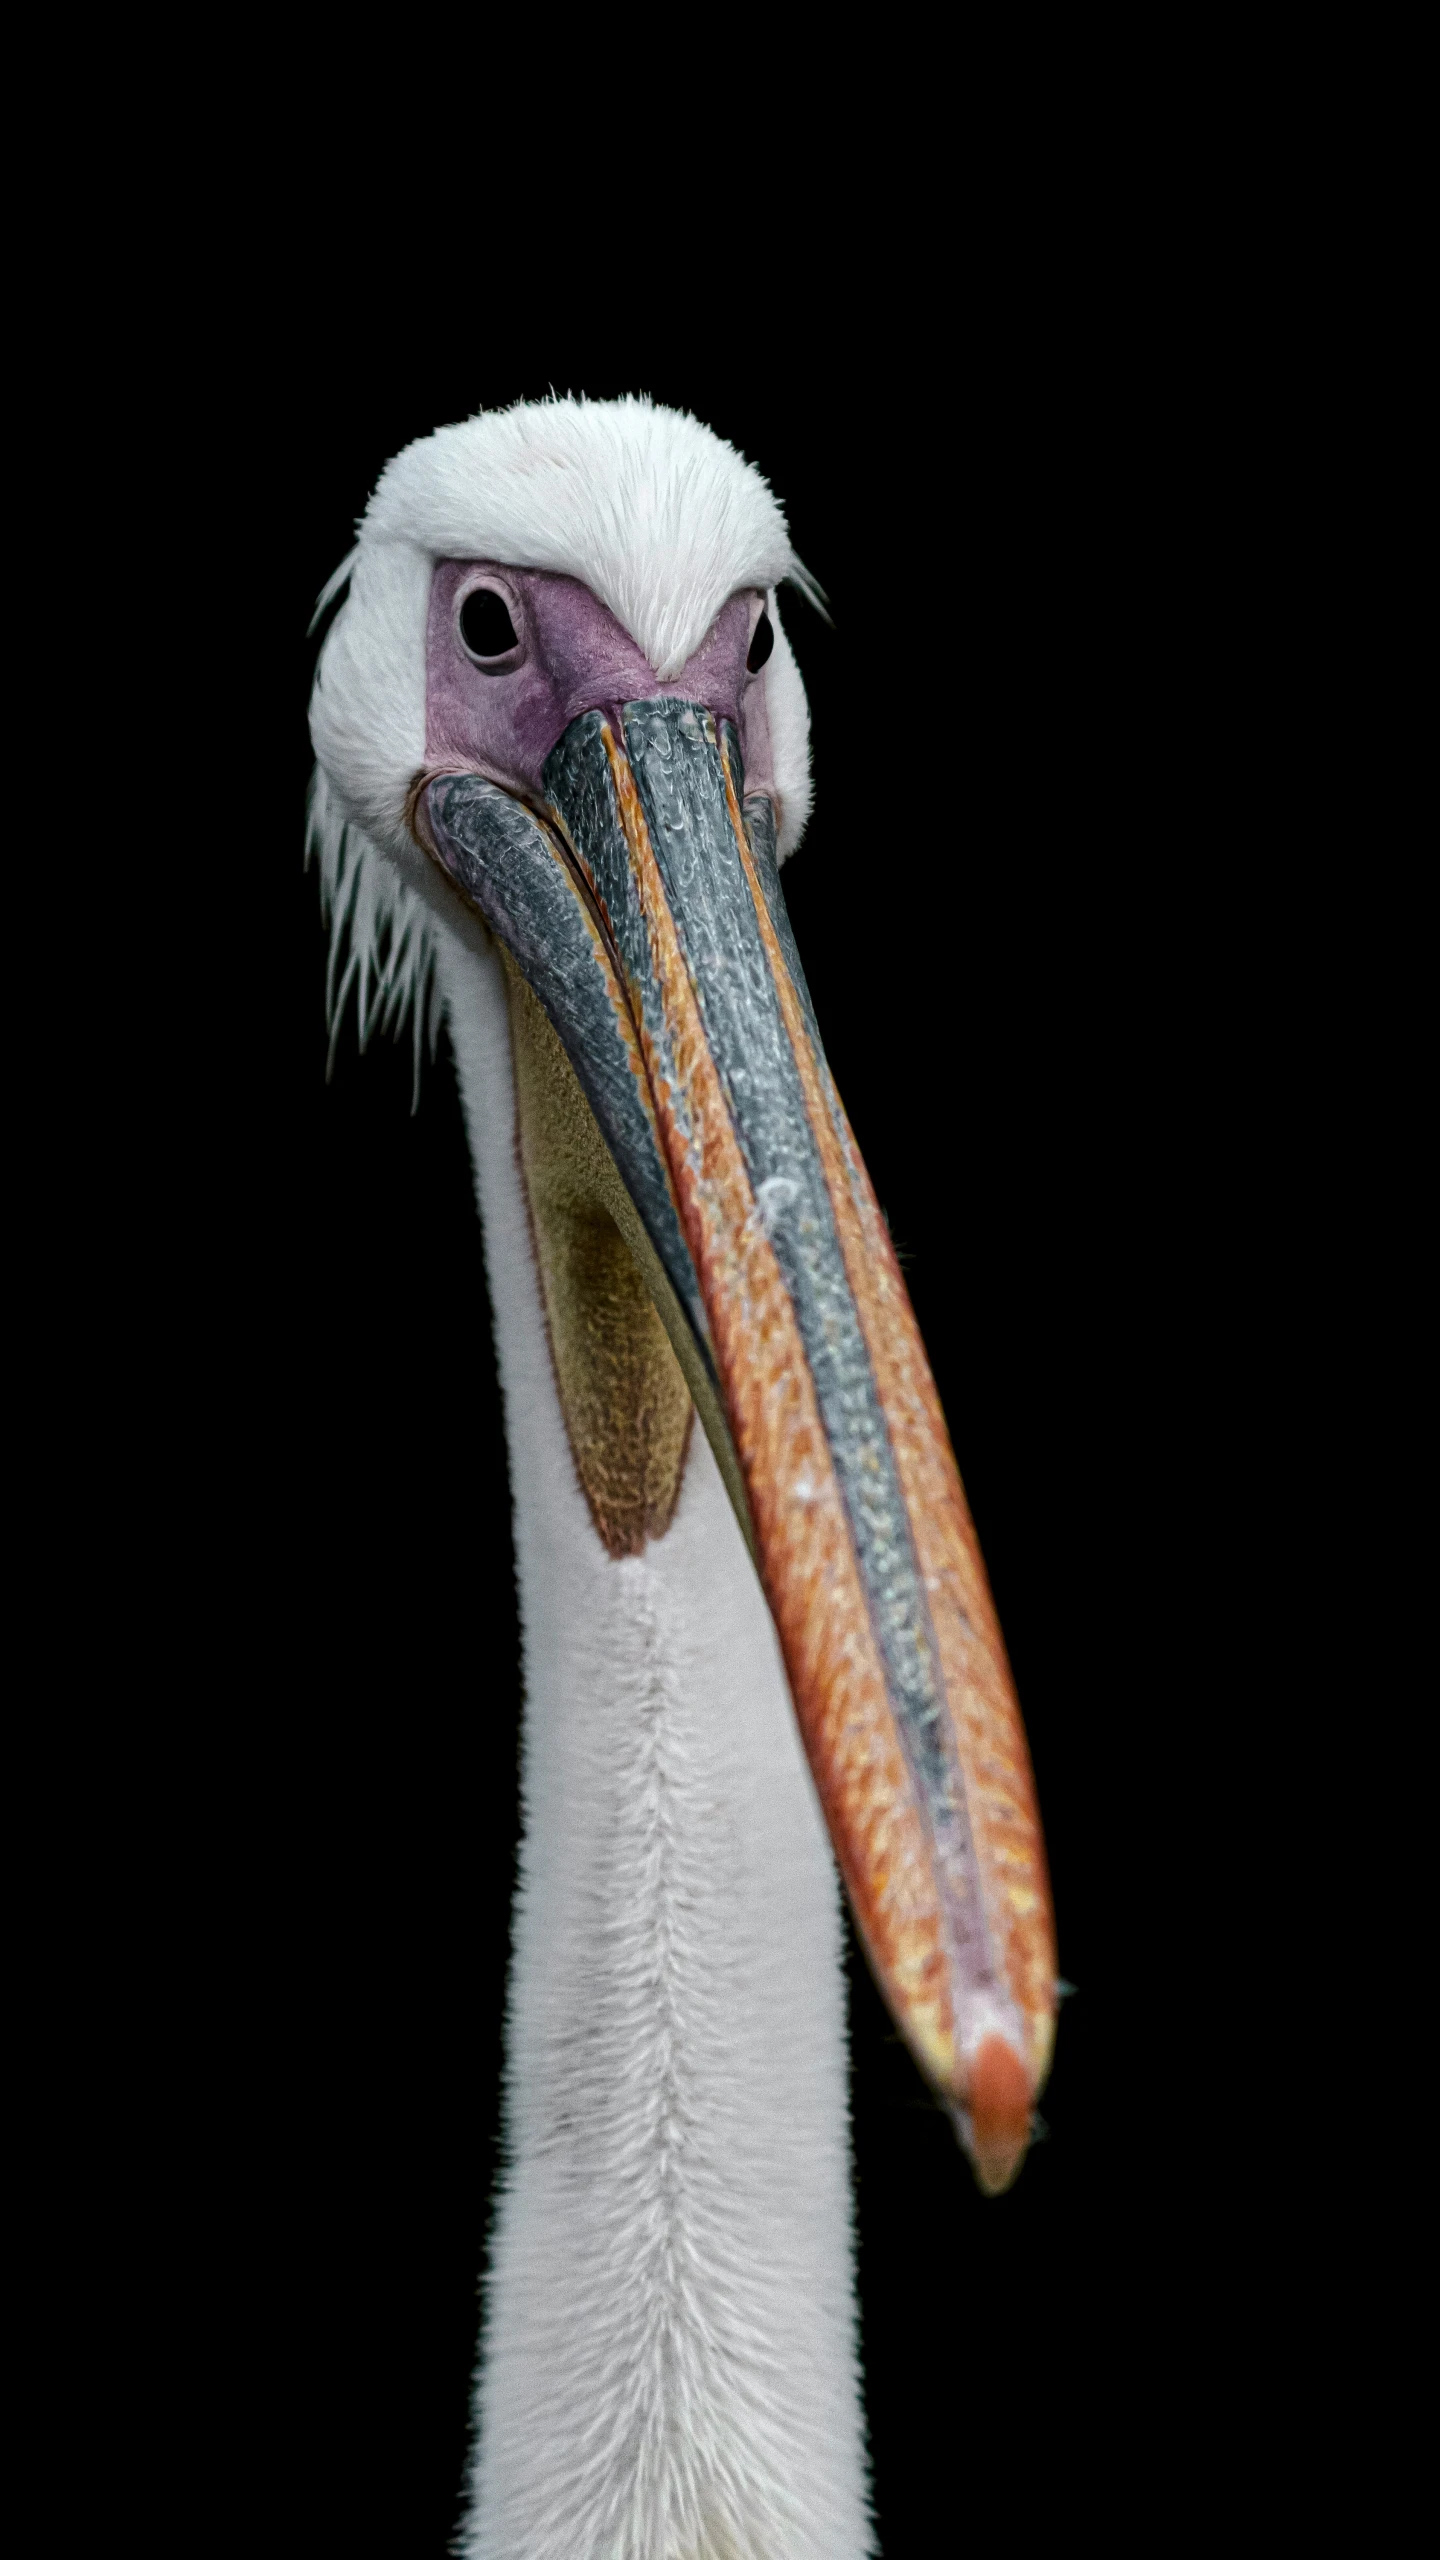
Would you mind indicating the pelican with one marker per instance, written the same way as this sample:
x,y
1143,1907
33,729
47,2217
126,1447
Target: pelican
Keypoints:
x,y
562,750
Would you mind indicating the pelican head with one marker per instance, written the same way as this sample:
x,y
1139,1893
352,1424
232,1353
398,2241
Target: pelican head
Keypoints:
x,y
559,703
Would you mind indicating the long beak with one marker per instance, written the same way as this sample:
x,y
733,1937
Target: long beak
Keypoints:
x,y
647,916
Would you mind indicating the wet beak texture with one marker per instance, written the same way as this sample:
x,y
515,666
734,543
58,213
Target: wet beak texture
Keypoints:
x,y
790,1284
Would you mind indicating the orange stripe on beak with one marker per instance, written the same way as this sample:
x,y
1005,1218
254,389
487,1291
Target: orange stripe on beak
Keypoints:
x,y
989,1733
807,1558
862,1533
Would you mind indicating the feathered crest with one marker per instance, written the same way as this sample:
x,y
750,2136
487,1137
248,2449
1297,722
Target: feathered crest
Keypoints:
x,y
382,942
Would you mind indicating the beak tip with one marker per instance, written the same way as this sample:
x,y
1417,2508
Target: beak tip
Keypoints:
x,y
993,2121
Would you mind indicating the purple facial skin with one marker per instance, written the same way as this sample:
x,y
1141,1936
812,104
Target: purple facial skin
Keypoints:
x,y
501,718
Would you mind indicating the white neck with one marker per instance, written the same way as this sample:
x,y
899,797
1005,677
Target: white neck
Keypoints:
x,y
668,2367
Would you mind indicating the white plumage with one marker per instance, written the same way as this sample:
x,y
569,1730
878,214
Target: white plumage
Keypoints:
x,y
668,2368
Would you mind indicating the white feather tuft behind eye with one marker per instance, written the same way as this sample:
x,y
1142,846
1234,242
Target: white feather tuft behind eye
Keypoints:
x,y
382,940
789,717
337,579
797,576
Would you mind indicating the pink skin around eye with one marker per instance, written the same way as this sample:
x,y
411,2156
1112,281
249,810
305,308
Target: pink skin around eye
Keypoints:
x,y
574,656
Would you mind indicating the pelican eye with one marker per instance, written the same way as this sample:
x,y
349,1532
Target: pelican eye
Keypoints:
x,y
485,624
762,641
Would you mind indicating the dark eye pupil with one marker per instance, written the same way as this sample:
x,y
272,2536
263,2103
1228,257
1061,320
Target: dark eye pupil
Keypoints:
x,y
485,624
761,644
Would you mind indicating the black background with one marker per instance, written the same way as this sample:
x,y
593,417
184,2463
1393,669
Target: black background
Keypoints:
x,y
1003,908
